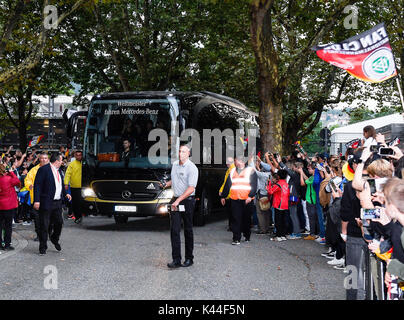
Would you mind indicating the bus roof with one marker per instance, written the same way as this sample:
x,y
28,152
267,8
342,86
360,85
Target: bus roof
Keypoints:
x,y
183,94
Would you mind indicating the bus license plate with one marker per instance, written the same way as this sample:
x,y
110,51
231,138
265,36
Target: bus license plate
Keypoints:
x,y
125,208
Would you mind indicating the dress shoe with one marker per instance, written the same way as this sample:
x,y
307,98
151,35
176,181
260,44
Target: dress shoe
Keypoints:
x,y
9,248
187,263
57,245
174,264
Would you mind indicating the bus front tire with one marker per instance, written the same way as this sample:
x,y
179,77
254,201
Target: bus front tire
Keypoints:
x,y
203,209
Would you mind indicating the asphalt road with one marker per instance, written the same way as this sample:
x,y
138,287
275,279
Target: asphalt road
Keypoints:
x,y
101,260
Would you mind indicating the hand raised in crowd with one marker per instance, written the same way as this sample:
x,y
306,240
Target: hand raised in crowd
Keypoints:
x,y
384,218
374,246
380,138
335,194
397,153
365,197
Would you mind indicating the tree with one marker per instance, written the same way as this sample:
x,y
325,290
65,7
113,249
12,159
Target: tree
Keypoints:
x,y
282,33
43,78
164,45
294,87
9,22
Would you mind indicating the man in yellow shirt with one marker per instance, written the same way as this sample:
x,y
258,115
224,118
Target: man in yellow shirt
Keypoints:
x,y
29,185
230,165
73,177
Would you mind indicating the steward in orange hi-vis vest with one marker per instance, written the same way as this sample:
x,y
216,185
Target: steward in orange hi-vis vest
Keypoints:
x,y
241,188
240,184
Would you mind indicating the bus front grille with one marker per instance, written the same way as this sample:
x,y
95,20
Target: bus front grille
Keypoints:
x,y
126,190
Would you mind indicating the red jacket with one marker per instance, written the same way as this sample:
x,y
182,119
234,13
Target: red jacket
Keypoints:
x,y
280,194
8,195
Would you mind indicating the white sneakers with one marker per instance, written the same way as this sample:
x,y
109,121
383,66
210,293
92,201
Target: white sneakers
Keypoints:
x,y
336,262
279,239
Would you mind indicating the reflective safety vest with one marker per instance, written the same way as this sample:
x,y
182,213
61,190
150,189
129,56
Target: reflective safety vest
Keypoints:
x,y
240,184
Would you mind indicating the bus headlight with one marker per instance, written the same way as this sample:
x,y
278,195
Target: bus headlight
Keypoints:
x,y
167,194
88,192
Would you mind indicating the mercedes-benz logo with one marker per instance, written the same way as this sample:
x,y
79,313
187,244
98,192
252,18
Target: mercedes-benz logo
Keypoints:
x,y
126,194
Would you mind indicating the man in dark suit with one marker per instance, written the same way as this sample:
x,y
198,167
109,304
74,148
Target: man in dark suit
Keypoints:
x,y
48,196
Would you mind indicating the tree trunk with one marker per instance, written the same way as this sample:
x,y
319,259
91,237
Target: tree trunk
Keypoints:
x,y
269,90
22,125
289,139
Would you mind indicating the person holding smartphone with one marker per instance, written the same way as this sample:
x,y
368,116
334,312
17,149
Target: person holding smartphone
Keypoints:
x,y
184,178
8,204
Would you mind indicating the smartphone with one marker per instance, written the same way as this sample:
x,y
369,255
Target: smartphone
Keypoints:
x,y
319,167
386,151
372,184
180,208
376,184
333,186
369,214
394,142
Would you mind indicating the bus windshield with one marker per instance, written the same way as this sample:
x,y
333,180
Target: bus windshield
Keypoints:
x,y
117,132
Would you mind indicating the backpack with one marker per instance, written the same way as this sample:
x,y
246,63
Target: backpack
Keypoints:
x,y
325,197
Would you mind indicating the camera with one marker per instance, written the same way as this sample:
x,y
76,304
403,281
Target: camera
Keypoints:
x,y
369,214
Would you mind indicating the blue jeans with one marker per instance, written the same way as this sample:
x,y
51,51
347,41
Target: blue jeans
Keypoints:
x,y
320,216
255,217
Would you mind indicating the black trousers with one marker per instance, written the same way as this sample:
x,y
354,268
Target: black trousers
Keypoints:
x,y
50,222
6,224
333,238
76,194
241,222
227,207
280,222
175,221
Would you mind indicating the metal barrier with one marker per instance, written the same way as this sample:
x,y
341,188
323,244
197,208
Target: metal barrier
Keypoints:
x,y
374,272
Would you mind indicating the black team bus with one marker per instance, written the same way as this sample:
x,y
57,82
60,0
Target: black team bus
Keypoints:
x,y
121,176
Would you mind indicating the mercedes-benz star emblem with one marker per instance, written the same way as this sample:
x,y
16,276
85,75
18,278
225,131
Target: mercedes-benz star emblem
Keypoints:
x,y
126,194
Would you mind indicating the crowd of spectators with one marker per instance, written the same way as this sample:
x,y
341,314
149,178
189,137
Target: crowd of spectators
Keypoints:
x,y
331,200
17,175
352,204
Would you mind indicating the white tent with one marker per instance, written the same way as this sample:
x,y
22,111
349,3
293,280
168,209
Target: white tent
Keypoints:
x,y
342,135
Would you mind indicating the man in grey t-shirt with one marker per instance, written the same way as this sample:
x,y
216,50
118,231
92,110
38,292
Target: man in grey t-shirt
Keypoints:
x,y
184,178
